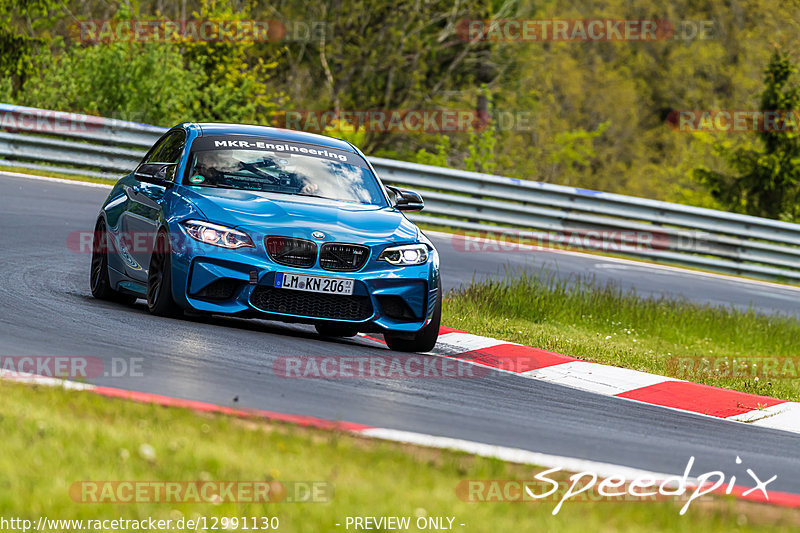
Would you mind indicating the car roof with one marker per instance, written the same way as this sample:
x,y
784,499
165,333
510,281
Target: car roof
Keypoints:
x,y
278,134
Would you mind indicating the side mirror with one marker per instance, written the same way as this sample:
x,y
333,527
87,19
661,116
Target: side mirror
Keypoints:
x,y
156,173
405,200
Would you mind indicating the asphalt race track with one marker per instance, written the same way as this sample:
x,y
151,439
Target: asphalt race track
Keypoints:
x,y
46,309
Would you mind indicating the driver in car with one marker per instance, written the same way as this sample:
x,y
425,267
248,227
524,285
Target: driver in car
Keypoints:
x,y
213,165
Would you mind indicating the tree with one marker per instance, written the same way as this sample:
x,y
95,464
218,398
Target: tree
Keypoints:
x,y
766,178
236,85
157,81
377,55
18,44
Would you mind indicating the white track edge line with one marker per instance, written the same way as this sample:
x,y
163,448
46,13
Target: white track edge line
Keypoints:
x,y
515,455
5,173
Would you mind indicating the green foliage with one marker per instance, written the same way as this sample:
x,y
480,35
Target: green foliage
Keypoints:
x,y
18,44
378,55
437,159
341,129
767,175
481,148
589,114
234,86
576,147
159,82
145,82
6,89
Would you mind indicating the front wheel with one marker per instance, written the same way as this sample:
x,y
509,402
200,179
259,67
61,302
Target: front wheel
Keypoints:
x,y
425,339
159,279
99,282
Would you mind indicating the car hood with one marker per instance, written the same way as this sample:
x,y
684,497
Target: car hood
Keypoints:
x,y
263,213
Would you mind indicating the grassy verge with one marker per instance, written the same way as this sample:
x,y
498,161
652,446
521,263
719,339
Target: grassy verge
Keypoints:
x,y
53,438
663,336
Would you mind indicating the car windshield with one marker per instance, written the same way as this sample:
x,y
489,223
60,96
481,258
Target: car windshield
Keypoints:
x,y
296,169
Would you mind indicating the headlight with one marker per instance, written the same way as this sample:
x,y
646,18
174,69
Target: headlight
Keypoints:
x,y
406,255
217,235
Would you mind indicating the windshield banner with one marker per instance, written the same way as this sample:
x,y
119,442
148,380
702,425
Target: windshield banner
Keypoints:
x,y
249,142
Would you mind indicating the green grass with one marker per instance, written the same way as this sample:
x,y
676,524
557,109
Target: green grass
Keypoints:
x,y
602,323
53,438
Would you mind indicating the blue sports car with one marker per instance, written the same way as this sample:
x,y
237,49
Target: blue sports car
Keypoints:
x,y
277,224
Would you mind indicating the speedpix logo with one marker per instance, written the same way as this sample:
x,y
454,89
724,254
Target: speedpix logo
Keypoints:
x,y
589,487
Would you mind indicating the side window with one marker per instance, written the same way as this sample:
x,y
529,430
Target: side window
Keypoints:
x,y
168,150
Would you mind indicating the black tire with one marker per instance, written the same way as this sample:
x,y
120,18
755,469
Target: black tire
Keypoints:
x,y
159,279
424,340
99,283
332,329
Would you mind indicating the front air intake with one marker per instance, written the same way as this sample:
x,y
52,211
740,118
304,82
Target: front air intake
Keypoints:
x,y
292,252
343,257
311,304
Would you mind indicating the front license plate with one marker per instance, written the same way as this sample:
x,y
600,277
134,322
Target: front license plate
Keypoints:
x,y
299,282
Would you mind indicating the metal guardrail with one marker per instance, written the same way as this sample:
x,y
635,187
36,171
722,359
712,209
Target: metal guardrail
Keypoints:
x,y
508,212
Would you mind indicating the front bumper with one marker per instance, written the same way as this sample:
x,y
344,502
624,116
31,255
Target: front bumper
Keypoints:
x,y
214,280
